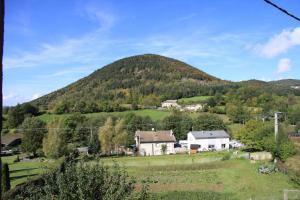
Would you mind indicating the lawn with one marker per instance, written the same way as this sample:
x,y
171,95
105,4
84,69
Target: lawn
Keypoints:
x,y
205,175
22,171
192,100
155,115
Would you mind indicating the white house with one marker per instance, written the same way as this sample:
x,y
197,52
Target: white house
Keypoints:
x,y
193,107
208,140
152,142
170,104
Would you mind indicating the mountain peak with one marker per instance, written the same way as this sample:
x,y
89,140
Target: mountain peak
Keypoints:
x,y
147,74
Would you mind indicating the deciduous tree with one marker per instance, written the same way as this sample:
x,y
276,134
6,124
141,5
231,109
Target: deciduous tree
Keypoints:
x,y
54,146
34,130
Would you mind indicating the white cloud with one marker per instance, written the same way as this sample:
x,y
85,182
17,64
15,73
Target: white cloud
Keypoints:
x,y
284,65
102,15
279,43
70,71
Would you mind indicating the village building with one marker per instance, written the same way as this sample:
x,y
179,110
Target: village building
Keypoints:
x,y
170,104
208,140
150,143
193,107
11,140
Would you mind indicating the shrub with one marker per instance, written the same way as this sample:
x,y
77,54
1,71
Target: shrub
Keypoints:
x,y
82,181
227,156
5,182
286,149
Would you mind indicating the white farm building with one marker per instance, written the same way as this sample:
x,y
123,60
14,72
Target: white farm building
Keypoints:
x,y
170,104
152,142
208,140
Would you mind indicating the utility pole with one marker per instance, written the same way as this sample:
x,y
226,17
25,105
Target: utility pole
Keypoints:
x,y
276,124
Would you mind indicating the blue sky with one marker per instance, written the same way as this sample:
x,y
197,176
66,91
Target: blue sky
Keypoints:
x,y
52,43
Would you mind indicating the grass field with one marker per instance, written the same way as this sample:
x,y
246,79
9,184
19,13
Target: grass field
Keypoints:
x,y
191,100
205,175
22,171
153,114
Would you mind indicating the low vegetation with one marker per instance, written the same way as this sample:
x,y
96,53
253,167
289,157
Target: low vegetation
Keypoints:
x,y
204,175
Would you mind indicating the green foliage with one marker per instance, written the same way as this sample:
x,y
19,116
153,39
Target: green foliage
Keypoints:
x,y
179,123
105,135
94,144
237,114
208,122
73,131
286,149
5,179
257,135
34,130
17,114
82,181
297,127
54,145
112,137
62,107
211,102
294,114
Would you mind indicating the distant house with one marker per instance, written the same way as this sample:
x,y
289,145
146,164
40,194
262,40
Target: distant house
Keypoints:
x,y
83,150
296,87
11,139
170,104
153,142
193,108
208,140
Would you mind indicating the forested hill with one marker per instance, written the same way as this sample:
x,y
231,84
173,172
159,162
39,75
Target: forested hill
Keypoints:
x,y
143,79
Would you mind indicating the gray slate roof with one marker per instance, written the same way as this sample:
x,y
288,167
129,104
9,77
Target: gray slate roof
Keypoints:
x,y
210,134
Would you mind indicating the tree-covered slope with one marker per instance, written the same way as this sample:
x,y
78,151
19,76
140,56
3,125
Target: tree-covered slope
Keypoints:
x,y
145,79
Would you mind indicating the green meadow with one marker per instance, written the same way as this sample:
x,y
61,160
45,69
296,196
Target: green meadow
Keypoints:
x,y
20,172
206,175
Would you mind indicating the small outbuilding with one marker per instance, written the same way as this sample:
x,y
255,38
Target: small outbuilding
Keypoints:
x,y
170,104
208,140
11,140
150,143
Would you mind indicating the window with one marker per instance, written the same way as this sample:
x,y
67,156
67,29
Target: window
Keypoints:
x,y
211,146
223,146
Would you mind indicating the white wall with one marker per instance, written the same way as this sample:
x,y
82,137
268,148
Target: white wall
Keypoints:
x,y
149,149
169,105
206,142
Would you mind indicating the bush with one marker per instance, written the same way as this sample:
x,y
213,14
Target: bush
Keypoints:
x,y
227,156
5,181
81,181
286,149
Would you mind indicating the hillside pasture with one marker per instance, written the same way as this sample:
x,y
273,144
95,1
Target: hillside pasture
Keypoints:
x,y
203,175
155,115
193,100
20,172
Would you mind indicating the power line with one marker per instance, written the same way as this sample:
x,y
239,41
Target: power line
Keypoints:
x,y
282,10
